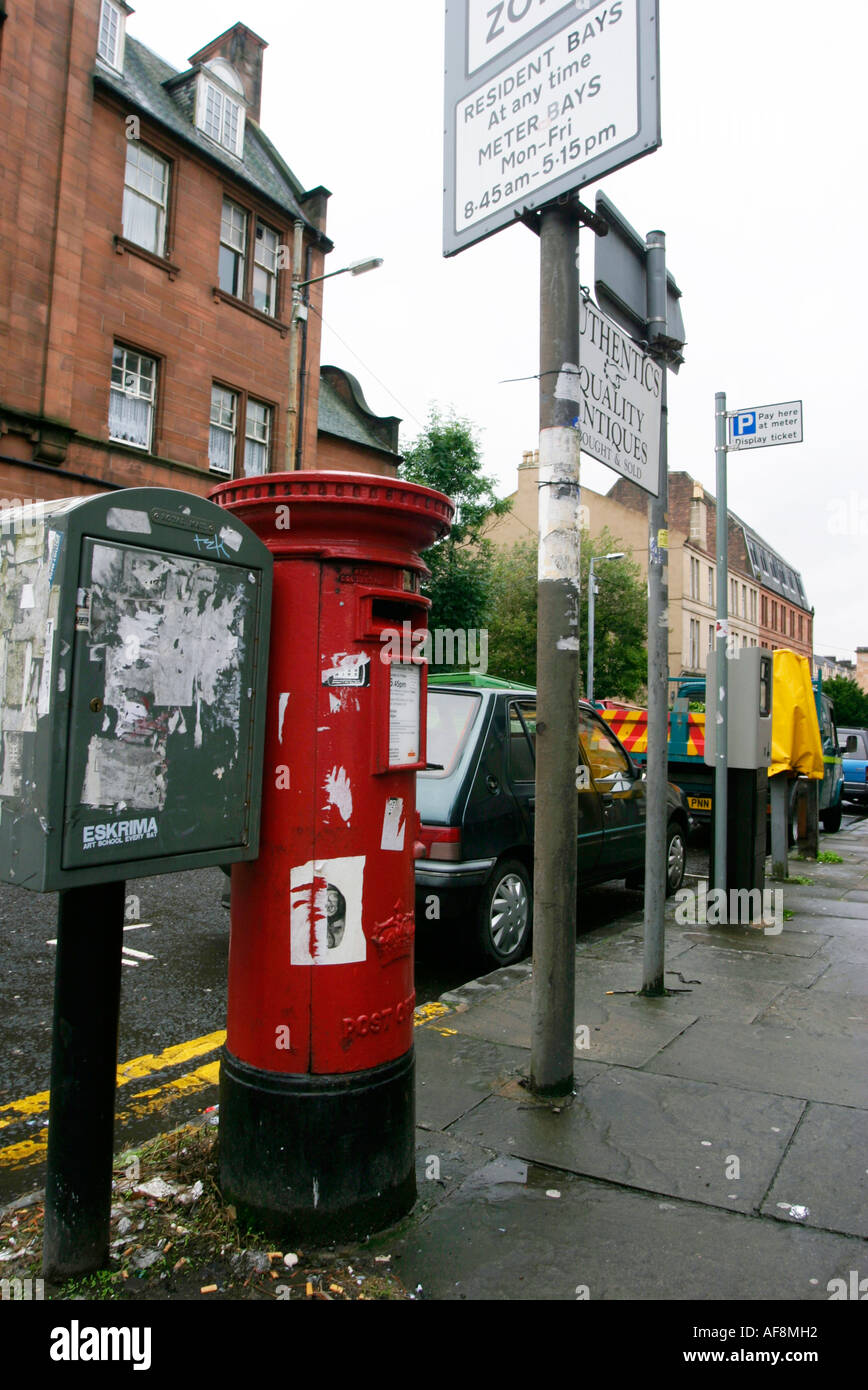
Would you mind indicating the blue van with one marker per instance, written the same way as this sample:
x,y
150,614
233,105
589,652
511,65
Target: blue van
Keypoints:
x,y
854,751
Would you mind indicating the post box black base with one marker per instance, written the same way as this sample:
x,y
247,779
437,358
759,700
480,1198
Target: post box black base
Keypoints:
x,y
318,1157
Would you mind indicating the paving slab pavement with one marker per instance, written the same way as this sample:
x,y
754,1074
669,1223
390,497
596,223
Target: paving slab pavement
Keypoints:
x,y
716,1144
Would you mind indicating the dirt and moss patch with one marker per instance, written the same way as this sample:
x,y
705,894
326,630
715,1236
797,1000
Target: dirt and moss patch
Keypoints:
x,y
173,1237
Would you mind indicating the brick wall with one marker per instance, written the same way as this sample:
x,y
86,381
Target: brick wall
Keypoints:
x,y
355,458
68,294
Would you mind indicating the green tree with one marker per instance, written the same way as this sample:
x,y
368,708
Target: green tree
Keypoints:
x,y
445,456
620,619
511,619
850,700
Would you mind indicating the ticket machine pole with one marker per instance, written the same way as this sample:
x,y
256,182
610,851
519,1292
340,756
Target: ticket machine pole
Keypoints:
x,y
721,670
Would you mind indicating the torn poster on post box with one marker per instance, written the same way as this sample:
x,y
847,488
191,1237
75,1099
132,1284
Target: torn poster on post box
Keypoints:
x,y
326,912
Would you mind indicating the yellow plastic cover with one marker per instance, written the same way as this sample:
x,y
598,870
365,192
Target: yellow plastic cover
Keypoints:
x,y
796,742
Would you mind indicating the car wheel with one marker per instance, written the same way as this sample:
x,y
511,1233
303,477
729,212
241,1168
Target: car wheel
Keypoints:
x,y
676,857
505,914
832,819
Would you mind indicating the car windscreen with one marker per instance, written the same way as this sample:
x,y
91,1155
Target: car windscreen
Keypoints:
x,y
451,715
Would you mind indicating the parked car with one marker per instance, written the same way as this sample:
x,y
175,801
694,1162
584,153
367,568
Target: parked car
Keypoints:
x,y
854,751
476,802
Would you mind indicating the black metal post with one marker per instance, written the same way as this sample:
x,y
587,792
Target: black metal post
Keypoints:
x,y
84,1050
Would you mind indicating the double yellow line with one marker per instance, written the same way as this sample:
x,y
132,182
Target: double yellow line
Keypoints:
x,y
140,1103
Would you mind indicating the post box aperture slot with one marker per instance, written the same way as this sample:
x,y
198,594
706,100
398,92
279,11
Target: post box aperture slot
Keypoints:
x,y
389,611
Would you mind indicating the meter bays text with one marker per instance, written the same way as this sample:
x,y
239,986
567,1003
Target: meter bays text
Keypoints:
x,y
557,109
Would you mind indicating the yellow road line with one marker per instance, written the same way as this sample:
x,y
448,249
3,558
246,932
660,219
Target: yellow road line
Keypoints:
x,y
134,1070
140,1067
179,1086
426,1012
30,1151
141,1103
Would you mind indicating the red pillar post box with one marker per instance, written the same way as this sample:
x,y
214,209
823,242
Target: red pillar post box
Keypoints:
x,y
316,1091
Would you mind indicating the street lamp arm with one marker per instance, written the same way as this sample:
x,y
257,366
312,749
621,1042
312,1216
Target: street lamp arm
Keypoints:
x,y
354,268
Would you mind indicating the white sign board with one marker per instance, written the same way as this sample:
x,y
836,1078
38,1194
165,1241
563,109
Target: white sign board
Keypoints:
x,y
541,98
618,390
493,28
405,685
763,425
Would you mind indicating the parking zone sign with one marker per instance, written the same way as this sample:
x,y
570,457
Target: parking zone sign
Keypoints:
x,y
541,98
763,425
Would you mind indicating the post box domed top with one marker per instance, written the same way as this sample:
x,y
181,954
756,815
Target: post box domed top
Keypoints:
x,y
339,515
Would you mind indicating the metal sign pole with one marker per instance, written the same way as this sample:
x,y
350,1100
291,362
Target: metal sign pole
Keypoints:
x,y
557,740
658,650
592,591
84,1061
722,673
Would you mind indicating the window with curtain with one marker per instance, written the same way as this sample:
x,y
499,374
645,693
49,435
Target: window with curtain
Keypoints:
x,y
111,34
233,249
132,397
221,118
221,440
257,438
146,195
265,258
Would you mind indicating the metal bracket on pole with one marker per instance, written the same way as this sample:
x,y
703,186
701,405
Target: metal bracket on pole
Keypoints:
x,y
532,218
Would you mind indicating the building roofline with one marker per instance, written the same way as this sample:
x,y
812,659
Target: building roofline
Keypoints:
x,y
226,32
119,85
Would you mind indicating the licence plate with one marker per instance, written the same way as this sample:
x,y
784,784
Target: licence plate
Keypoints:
x,y
699,803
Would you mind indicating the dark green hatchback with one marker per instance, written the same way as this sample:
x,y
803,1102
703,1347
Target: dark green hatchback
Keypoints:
x,y
477,802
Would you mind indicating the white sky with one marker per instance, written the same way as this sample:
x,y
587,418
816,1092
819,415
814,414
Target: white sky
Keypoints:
x,y
759,187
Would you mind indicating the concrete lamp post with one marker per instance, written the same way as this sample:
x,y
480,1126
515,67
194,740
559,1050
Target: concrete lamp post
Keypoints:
x,y
297,370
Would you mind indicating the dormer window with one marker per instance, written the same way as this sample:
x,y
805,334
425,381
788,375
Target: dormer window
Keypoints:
x,y
220,106
110,44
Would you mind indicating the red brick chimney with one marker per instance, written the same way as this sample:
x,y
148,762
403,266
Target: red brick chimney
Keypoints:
x,y
243,49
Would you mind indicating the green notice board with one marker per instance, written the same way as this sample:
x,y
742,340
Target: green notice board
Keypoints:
x,y
133,665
